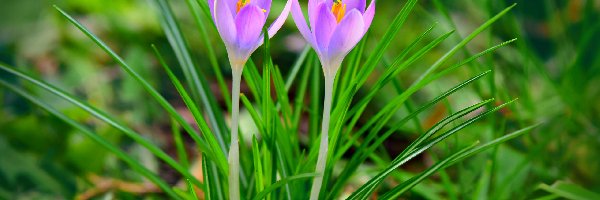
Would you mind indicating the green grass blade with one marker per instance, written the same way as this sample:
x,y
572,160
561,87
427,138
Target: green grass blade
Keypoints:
x,y
135,165
280,183
258,169
406,185
213,151
191,189
464,42
179,145
569,191
253,113
296,67
465,153
210,189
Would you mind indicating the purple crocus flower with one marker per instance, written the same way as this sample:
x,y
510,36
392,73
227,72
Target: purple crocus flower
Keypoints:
x,y
240,24
336,26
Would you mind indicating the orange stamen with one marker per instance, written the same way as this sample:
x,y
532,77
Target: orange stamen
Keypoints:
x,y
339,10
241,3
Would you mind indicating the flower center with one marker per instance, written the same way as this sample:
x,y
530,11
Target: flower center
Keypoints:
x,y
241,3
339,10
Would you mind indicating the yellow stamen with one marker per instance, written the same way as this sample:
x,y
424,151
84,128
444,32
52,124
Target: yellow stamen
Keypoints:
x,y
339,10
240,4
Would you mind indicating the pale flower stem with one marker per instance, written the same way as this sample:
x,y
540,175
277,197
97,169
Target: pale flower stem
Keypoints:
x,y
234,149
324,145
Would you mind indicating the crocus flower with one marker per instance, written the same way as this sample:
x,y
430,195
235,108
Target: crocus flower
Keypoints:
x,y
240,24
336,26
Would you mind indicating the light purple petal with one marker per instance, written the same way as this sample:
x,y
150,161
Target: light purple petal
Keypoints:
x,y
232,6
369,14
249,23
324,27
360,5
281,19
224,22
301,22
351,4
345,37
211,6
263,4
313,9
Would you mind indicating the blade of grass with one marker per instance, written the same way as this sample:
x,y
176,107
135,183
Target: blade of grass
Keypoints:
x,y
198,117
179,145
255,116
296,67
406,185
569,191
191,189
280,183
258,169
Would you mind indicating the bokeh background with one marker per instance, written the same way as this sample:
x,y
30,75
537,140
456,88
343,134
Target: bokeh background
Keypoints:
x,y
553,68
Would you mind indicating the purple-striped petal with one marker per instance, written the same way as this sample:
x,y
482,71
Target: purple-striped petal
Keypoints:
x,y
249,23
345,37
224,22
324,27
369,14
300,22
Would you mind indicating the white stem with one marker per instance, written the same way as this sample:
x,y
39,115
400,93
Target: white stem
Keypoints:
x,y
234,149
323,147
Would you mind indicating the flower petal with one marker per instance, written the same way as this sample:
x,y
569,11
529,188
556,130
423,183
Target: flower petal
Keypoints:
x,y
369,14
324,27
224,22
351,4
263,4
356,4
281,19
345,38
249,23
313,9
211,6
301,23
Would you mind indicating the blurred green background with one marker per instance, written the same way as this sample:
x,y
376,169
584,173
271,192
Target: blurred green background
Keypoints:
x,y
553,68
